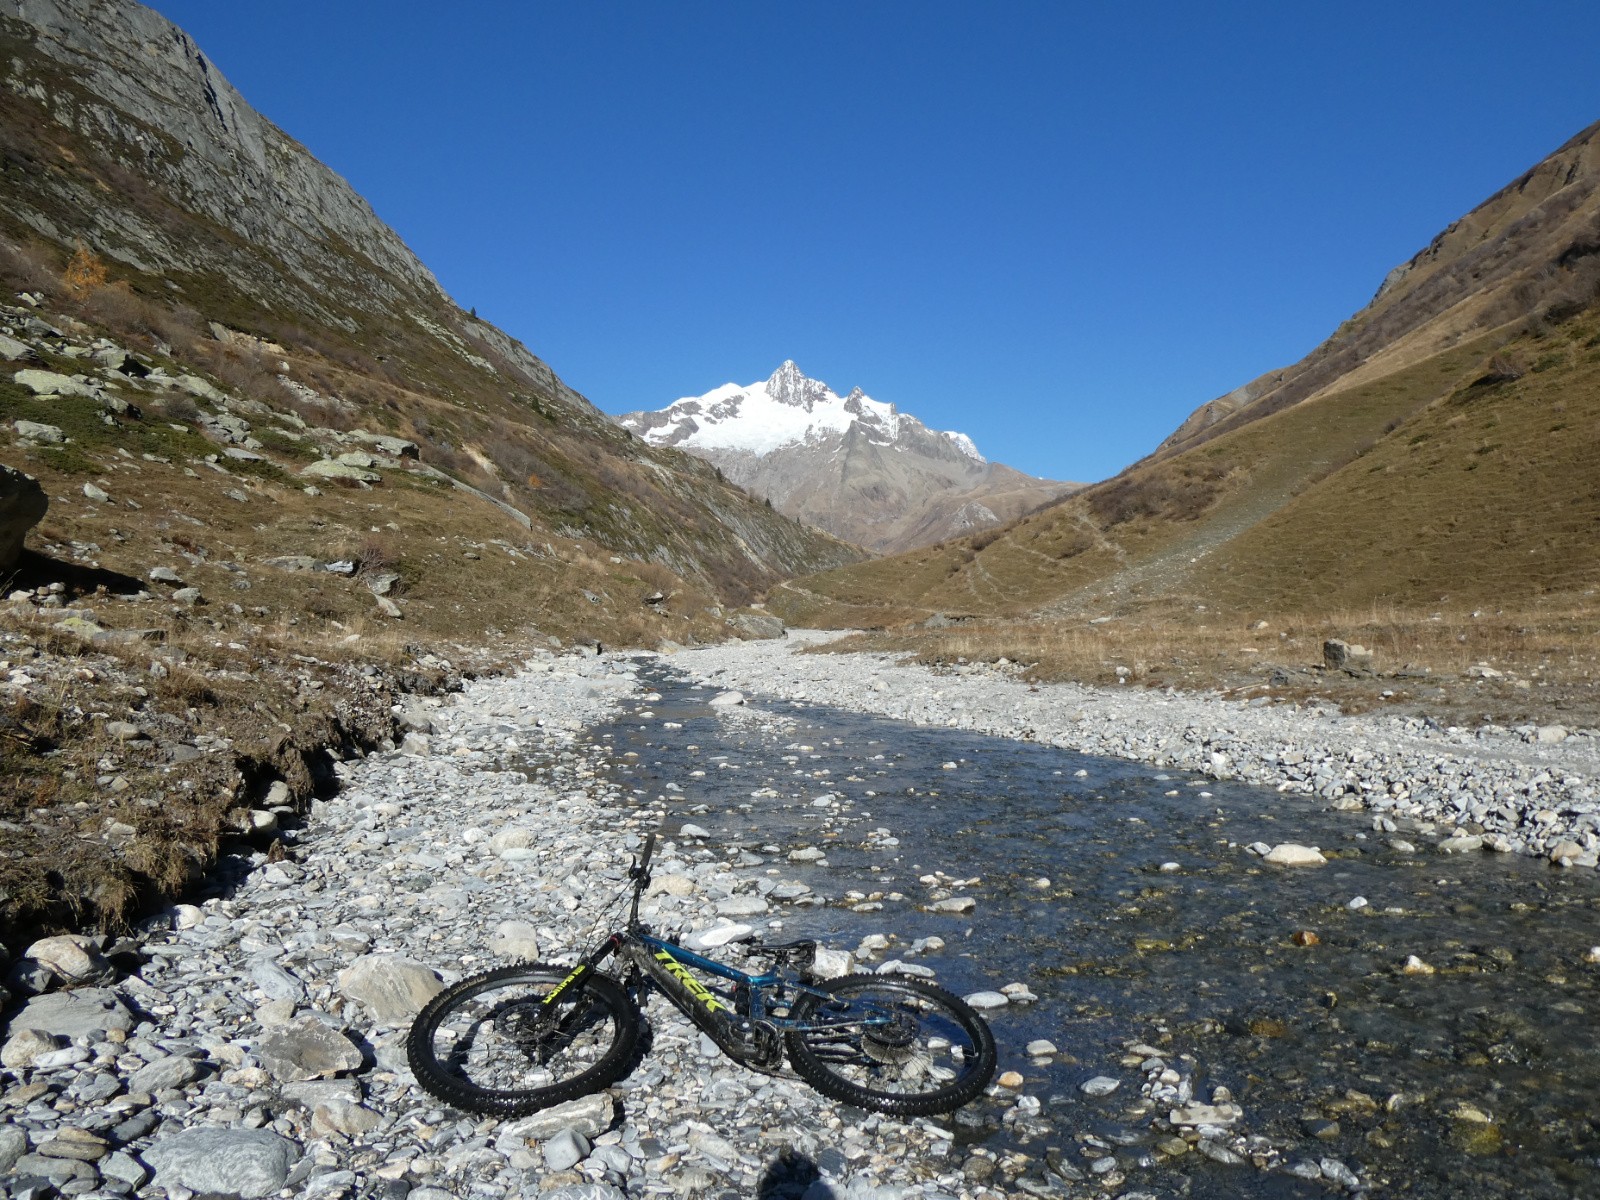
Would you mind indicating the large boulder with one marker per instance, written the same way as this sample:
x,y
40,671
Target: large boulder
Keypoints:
x,y
1292,854
83,1013
1339,655
234,1162
515,939
23,1048
589,1115
306,1048
22,506
333,469
38,431
52,383
392,988
393,446
756,626
66,960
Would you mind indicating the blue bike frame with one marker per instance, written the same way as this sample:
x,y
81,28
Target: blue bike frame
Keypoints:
x,y
740,1033
738,978
668,963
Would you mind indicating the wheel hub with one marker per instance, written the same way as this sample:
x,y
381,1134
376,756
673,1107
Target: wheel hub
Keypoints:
x,y
526,1025
892,1043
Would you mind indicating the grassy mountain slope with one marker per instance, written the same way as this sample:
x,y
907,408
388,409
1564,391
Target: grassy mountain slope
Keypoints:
x,y
1489,494
1531,248
205,215
1466,476
1439,447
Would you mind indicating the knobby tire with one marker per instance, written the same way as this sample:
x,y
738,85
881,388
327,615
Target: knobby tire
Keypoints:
x,y
934,1056
489,1045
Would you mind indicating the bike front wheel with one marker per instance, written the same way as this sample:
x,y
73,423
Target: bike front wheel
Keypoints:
x,y
891,1044
495,1044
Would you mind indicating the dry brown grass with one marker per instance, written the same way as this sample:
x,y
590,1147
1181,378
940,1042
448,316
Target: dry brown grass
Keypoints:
x,y
28,267
1464,481
100,828
1549,655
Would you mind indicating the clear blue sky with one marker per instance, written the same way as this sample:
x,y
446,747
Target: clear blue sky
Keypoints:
x,y
1057,227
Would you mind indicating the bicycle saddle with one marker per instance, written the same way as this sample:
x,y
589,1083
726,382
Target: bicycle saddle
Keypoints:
x,y
799,954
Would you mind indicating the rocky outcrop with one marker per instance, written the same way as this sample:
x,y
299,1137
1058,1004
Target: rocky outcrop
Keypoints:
x,y
124,76
22,506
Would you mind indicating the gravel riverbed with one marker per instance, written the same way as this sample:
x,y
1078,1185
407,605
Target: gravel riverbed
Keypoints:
x,y
1531,790
258,1050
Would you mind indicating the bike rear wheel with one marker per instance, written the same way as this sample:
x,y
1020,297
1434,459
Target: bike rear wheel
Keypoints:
x,y
891,1044
491,1044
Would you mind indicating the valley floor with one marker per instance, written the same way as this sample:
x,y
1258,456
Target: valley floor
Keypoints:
x,y
260,1042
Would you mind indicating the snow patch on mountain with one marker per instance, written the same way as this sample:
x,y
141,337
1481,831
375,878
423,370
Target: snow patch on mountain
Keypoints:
x,y
788,409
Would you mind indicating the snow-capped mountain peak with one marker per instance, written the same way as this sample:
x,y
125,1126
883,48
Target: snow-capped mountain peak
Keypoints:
x,y
789,409
789,385
852,465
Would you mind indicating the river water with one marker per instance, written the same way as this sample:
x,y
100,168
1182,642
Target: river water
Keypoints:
x,y
1125,898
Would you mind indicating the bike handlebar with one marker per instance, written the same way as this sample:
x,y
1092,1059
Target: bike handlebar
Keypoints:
x,y
642,869
640,874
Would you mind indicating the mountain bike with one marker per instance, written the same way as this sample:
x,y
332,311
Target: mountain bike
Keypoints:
x,y
510,1041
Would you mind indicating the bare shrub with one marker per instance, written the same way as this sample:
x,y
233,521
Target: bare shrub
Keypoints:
x,y
186,686
122,310
325,413
517,461
244,371
1501,368
179,327
27,267
376,555
179,407
457,463
1074,543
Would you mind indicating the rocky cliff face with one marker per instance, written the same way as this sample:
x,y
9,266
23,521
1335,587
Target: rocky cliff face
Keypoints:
x,y
289,234
131,81
217,240
851,465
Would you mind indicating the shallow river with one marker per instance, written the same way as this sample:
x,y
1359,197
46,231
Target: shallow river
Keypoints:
x,y
1157,927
